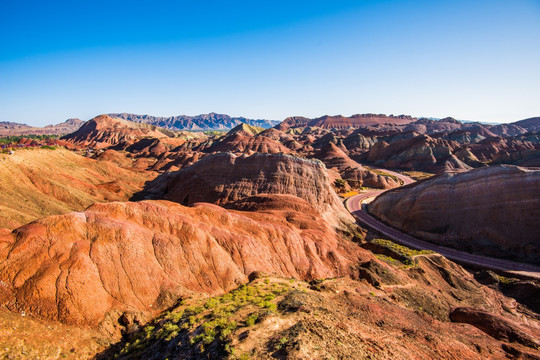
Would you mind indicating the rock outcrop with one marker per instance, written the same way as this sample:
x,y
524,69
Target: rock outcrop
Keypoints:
x,y
421,153
245,139
114,258
343,122
222,178
104,131
355,174
492,211
493,325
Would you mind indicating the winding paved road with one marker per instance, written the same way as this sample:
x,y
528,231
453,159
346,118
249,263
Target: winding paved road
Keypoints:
x,y
354,205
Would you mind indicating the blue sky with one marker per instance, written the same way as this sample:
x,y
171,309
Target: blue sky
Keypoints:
x,y
473,60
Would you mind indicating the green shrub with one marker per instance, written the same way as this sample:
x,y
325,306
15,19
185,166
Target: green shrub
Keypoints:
x,y
252,319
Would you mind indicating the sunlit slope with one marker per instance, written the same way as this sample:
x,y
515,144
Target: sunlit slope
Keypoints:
x,y
41,182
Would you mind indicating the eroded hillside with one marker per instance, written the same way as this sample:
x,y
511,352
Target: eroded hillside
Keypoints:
x,y
35,183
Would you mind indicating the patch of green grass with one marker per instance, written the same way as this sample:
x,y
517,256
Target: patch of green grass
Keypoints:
x,y
383,173
252,319
396,252
212,303
418,175
203,322
386,258
400,248
506,281
281,342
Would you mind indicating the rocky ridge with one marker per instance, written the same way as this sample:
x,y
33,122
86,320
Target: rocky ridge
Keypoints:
x,y
493,211
86,267
223,178
211,121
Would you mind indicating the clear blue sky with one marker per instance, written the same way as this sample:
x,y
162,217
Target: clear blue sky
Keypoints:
x,y
473,60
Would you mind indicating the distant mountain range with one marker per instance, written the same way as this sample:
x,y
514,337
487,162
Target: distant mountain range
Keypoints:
x,y
213,121
210,121
14,129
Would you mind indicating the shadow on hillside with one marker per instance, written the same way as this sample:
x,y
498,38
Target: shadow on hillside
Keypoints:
x,y
154,189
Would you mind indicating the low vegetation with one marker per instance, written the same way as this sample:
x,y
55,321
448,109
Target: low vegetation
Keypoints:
x,y
14,139
383,173
206,326
390,251
418,175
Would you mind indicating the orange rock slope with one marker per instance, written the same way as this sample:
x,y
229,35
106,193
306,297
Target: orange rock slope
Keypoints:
x,y
138,257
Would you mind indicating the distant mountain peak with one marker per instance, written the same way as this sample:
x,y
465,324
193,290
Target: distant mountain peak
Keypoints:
x,y
243,127
210,121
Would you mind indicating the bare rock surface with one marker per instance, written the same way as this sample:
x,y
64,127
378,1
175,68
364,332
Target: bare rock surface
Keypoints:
x,y
104,131
420,152
223,178
245,139
344,122
41,182
493,325
493,211
351,171
136,257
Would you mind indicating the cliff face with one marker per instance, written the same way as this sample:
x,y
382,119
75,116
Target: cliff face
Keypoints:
x,y
492,211
223,178
138,257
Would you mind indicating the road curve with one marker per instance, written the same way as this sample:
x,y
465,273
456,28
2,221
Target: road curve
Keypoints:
x,y
354,206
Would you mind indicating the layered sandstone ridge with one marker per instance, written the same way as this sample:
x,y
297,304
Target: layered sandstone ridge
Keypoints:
x,y
104,131
223,178
344,122
493,211
355,174
140,257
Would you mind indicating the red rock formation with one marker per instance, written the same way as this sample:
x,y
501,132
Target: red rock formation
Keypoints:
x,y
292,122
352,172
223,178
244,142
428,126
342,122
492,211
530,124
493,325
497,150
41,182
104,131
137,257
420,152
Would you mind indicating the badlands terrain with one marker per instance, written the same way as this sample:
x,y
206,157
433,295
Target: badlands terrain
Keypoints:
x,y
210,237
